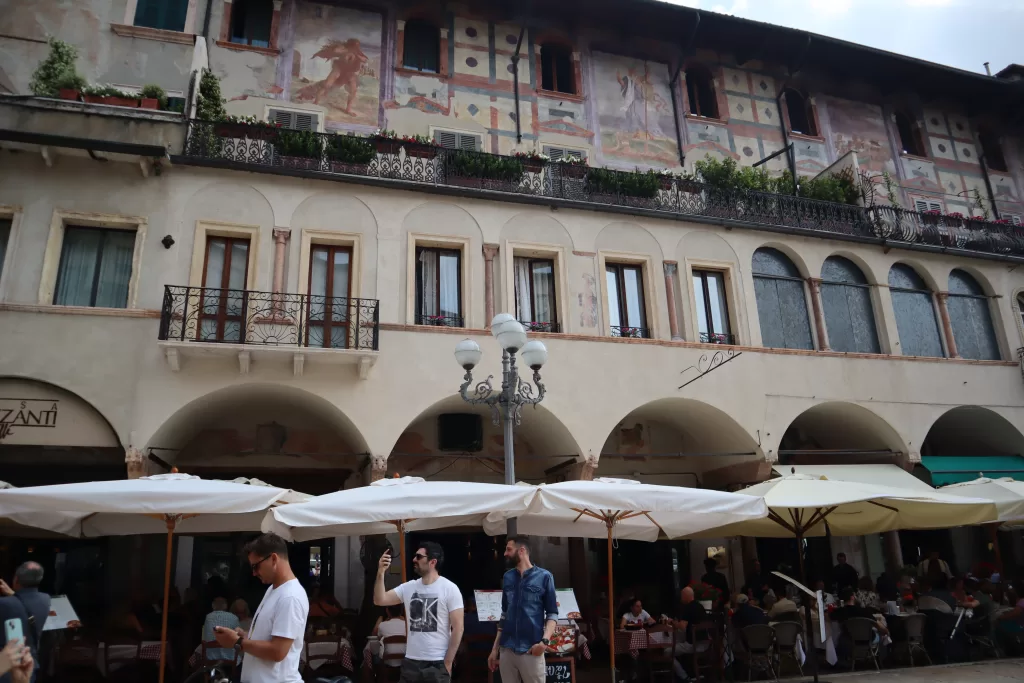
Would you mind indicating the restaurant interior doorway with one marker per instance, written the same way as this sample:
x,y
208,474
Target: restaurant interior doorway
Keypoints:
x,y
472,560
653,572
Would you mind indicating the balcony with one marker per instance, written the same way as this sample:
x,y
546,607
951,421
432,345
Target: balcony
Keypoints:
x,y
717,338
631,332
459,172
537,326
440,320
268,327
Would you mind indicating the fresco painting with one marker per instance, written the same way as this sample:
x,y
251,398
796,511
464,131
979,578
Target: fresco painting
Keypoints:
x,y
860,127
337,61
634,108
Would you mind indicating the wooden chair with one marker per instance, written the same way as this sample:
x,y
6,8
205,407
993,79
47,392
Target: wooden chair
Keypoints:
x,y
474,659
712,656
122,656
77,659
223,665
660,656
328,663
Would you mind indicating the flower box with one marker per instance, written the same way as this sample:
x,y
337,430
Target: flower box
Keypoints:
x,y
149,103
691,186
112,101
573,170
387,145
70,94
420,151
667,182
348,167
532,165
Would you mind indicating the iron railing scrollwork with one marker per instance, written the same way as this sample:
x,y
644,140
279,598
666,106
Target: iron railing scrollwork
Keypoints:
x,y
535,326
630,332
234,316
440,320
248,146
717,338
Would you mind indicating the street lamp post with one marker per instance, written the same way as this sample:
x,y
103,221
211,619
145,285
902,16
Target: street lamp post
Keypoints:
x,y
506,404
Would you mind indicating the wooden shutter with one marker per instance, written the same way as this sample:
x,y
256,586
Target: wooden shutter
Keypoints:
x,y
1014,219
559,153
452,140
295,120
922,205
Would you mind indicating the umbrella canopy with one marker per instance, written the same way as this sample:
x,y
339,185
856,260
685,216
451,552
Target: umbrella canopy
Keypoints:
x,y
30,524
389,505
801,505
632,510
1006,493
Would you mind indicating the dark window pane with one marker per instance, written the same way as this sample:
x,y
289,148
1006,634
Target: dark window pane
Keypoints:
x,y
849,318
916,323
250,22
839,269
971,318
962,283
903,276
163,14
5,236
800,119
768,261
95,267
422,49
992,151
700,90
782,310
910,141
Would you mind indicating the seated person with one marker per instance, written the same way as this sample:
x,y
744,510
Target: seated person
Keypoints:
x,y
391,624
961,596
636,617
240,608
689,613
851,610
866,595
220,616
938,595
785,605
746,614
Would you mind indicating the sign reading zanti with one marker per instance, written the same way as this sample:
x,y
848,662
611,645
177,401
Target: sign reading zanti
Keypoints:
x,y
40,414
28,413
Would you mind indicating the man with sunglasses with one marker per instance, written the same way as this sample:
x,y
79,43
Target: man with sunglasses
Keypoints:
x,y
434,613
273,645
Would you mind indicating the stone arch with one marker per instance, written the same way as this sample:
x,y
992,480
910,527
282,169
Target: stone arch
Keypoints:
x,y
251,428
535,228
685,442
541,441
972,430
627,236
332,212
837,426
706,245
792,254
858,260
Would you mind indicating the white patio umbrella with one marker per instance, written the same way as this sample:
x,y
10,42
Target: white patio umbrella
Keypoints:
x,y
609,508
1006,493
59,523
401,504
159,504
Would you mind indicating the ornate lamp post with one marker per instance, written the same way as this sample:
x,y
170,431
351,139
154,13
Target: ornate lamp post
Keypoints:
x,y
515,393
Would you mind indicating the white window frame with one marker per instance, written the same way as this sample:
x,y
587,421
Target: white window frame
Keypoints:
x,y
13,214
930,205
1014,218
146,32
417,239
646,263
267,109
205,229
55,245
513,250
579,150
434,130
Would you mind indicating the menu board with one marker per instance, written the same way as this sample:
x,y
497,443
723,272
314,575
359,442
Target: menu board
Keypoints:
x,y
567,605
488,605
560,670
61,613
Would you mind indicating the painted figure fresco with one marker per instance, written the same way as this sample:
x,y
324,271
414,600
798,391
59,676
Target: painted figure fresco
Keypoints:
x,y
634,110
336,63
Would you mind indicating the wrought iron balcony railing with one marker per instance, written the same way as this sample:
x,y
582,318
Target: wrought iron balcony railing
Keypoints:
x,y
717,338
250,147
236,316
440,320
631,332
535,326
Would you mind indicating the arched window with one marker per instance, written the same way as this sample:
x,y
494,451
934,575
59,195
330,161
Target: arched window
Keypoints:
x,y
556,69
971,318
422,46
700,89
781,306
846,303
910,135
915,313
801,118
991,150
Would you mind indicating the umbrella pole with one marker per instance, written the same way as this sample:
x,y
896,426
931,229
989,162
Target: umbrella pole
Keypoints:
x,y
167,596
611,603
812,652
401,551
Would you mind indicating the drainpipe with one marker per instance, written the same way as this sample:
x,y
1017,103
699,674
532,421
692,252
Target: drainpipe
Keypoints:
x,y
782,119
672,91
515,82
206,18
984,174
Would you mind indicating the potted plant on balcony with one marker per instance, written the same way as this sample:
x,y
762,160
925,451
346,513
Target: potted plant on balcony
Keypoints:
x,y
153,97
110,96
532,161
606,183
300,149
247,127
56,75
419,146
349,154
572,167
477,169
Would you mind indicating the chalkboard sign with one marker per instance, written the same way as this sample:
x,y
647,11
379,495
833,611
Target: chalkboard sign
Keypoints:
x,y
561,670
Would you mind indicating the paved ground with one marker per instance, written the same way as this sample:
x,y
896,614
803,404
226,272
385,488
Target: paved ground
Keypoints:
x,y
994,672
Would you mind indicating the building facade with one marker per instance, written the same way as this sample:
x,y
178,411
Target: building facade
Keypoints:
x,y
183,293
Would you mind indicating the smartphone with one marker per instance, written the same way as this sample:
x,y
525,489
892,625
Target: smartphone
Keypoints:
x,y
12,627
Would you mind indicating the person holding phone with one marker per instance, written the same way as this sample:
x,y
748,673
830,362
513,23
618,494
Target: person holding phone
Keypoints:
x,y
16,663
273,645
434,610
14,621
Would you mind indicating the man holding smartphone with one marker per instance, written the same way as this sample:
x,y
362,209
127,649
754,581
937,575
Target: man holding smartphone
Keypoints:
x,y
273,645
434,613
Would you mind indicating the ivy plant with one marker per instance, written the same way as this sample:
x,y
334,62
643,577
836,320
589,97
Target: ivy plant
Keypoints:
x,y
350,149
489,166
300,143
634,183
56,71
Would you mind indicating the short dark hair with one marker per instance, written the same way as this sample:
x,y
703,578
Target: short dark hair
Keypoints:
x,y
29,574
521,542
434,552
265,544
845,595
842,555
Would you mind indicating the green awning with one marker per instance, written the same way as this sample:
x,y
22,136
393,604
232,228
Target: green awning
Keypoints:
x,y
954,470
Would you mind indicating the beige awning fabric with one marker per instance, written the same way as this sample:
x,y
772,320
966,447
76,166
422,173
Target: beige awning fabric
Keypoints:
x,y
877,475
1006,493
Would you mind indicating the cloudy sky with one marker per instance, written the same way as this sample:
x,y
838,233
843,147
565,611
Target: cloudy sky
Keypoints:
x,y
960,33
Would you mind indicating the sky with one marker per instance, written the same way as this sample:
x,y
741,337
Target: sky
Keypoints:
x,y
960,33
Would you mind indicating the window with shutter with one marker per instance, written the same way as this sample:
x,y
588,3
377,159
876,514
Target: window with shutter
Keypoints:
x,y
923,205
559,153
452,140
1013,219
295,120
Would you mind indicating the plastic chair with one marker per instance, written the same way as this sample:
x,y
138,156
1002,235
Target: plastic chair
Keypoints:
x,y
861,632
786,633
660,656
759,641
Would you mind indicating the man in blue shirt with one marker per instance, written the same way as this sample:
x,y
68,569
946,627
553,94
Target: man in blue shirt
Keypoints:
x,y
529,610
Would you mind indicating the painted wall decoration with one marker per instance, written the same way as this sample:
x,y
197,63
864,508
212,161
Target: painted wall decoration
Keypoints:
x,y
860,127
634,109
337,61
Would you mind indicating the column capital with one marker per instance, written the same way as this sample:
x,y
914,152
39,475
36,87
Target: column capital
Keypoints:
x,y
814,281
282,235
491,251
942,296
378,467
670,267
135,462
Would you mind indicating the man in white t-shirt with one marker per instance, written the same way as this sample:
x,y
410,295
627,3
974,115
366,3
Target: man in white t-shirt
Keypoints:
x,y
434,614
273,645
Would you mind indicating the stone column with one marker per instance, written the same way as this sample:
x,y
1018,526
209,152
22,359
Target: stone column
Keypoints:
x,y
893,552
281,237
135,462
400,43
947,326
275,23
490,253
225,22
444,53
671,268
378,467
819,314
